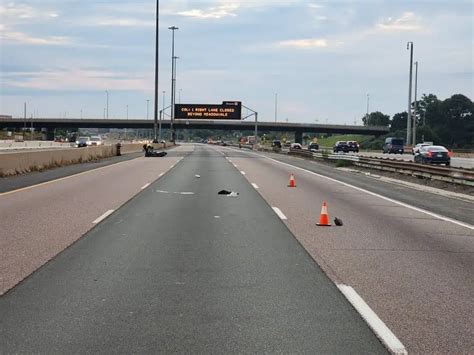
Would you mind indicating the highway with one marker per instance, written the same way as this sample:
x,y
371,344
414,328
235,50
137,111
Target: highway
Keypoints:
x,y
171,266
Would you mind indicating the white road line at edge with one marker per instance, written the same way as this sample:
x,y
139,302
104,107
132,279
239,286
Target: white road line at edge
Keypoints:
x,y
145,186
375,323
161,174
442,218
279,213
104,216
255,185
242,172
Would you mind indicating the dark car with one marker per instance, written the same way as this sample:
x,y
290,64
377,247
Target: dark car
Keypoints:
x,y
393,145
353,146
340,146
313,146
276,144
433,154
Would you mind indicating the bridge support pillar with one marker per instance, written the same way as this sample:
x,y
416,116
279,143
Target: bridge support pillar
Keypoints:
x,y
47,135
299,137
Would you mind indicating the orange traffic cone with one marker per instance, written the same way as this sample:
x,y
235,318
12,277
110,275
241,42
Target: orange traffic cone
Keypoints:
x,y
324,218
292,182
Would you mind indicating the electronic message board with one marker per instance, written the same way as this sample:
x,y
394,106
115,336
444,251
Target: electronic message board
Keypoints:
x,y
228,110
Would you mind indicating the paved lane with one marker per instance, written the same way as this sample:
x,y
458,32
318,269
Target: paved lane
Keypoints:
x,y
181,269
40,221
413,269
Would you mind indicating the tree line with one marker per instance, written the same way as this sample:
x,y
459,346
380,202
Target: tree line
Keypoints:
x,y
447,122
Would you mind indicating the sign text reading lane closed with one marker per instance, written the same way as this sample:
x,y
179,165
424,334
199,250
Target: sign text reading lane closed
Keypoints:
x,y
226,111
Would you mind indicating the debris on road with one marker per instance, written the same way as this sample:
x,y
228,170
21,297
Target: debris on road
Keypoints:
x,y
338,222
228,193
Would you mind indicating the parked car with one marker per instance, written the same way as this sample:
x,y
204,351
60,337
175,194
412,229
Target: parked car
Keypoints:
x,y
393,145
417,147
287,144
433,154
96,140
340,146
313,146
353,146
296,146
83,141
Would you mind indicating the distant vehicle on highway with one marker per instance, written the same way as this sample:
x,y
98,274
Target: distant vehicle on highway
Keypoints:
x,y
433,154
393,145
353,146
83,141
276,144
417,147
313,146
340,146
296,146
96,140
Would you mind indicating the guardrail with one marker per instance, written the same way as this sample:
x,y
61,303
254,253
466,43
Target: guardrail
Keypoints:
x,y
453,175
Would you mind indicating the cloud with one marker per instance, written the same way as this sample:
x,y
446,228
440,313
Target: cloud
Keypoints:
x,y
20,13
408,21
310,43
60,79
10,36
216,12
120,22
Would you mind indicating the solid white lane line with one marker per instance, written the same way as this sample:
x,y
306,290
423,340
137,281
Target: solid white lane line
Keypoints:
x,y
242,172
255,185
279,213
443,218
375,323
145,186
104,216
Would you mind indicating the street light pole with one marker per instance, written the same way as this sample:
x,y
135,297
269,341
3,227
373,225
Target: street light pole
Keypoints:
x,y
107,93
155,110
24,117
410,47
127,112
173,29
179,95
367,114
147,108
276,106
415,111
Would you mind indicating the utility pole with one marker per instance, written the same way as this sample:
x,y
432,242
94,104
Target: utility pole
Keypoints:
x,y
410,47
276,106
415,111
173,60
155,110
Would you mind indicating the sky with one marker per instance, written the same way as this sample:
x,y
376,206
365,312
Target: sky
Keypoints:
x,y
321,58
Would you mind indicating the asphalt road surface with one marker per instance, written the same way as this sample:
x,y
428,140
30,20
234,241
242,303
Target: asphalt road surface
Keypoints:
x,y
408,253
179,268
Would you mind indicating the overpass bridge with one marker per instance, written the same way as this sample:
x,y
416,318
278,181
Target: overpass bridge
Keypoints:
x,y
48,125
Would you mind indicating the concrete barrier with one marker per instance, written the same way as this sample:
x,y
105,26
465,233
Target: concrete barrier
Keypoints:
x,y
21,162
24,162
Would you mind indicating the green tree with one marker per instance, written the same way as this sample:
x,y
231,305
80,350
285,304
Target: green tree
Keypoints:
x,y
399,122
376,119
